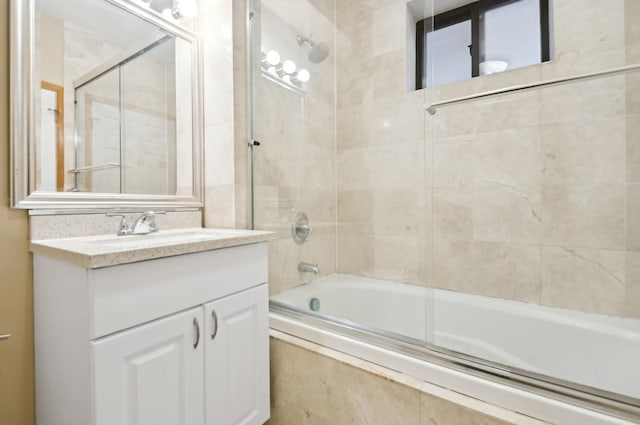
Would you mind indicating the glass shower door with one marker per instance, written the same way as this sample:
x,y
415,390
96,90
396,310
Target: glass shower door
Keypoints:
x,y
98,138
341,140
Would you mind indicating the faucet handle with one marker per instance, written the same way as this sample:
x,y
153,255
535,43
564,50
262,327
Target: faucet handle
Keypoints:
x,y
123,228
146,223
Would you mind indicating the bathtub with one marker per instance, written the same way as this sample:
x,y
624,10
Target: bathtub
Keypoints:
x,y
516,355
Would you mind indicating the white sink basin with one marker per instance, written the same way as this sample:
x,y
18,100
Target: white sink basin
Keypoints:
x,y
163,238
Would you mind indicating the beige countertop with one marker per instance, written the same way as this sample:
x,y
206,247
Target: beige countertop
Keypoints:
x,y
109,250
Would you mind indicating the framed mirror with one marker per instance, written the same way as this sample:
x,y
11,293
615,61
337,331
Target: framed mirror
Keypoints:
x,y
106,104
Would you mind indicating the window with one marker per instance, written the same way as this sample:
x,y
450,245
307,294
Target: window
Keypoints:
x,y
480,38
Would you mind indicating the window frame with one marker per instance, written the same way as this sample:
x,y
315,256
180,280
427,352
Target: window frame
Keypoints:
x,y
472,12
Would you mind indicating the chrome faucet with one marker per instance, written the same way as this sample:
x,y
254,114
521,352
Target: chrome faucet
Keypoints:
x,y
308,268
146,223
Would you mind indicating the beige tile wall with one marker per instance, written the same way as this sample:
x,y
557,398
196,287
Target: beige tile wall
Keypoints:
x,y
294,168
529,196
313,385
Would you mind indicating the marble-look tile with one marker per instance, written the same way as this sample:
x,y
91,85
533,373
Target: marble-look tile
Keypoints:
x,y
633,93
436,411
454,161
633,217
453,265
632,284
503,270
584,279
632,22
633,148
586,100
509,157
453,214
584,215
336,393
581,39
218,155
397,119
584,152
386,68
507,270
388,28
218,206
506,213
632,54
312,384
391,166
356,253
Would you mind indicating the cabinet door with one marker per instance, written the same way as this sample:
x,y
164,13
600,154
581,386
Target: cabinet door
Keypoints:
x,y
237,359
151,374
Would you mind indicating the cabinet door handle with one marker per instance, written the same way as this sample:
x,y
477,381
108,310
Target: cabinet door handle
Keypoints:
x,y
197,326
214,316
3,337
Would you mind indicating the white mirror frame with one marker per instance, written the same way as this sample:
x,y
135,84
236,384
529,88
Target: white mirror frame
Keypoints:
x,y
22,118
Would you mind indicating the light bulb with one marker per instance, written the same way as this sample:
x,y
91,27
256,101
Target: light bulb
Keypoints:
x,y
168,15
188,8
303,75
273,57
289,66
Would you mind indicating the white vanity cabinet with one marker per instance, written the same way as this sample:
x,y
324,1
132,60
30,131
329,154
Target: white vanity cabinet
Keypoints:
x,y
151,374
180,340
237,359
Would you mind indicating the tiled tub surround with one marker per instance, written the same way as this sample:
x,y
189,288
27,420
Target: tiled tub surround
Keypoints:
x,y
315,385
525,336
527,196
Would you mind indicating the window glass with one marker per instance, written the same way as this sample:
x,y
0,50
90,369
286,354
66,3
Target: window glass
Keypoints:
x,y
448,57
480,38
510,36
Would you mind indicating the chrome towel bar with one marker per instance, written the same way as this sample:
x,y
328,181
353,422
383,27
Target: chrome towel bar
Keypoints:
x,y
612,71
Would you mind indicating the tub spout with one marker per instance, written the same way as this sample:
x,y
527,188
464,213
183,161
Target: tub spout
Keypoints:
x,y
308,268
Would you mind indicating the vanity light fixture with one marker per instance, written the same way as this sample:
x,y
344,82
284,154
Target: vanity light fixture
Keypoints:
x,y
283,72
272,58
185,8
172,10
303,75
289,66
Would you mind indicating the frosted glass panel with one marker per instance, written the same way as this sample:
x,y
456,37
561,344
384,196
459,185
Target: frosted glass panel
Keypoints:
x,y
511,34
448,57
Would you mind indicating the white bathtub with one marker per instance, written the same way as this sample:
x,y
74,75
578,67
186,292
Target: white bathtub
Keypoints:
x,y
588,349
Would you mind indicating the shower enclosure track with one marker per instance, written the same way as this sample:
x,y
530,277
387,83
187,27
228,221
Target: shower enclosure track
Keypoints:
x,y
432,109
606,402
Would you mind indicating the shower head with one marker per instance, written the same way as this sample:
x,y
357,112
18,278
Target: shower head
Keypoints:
x,y
318,52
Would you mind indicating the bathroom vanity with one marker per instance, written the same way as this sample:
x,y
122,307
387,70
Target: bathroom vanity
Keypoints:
x,y
168,328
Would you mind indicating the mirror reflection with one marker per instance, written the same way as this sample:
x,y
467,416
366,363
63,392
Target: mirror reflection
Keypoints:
x,y
114,109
